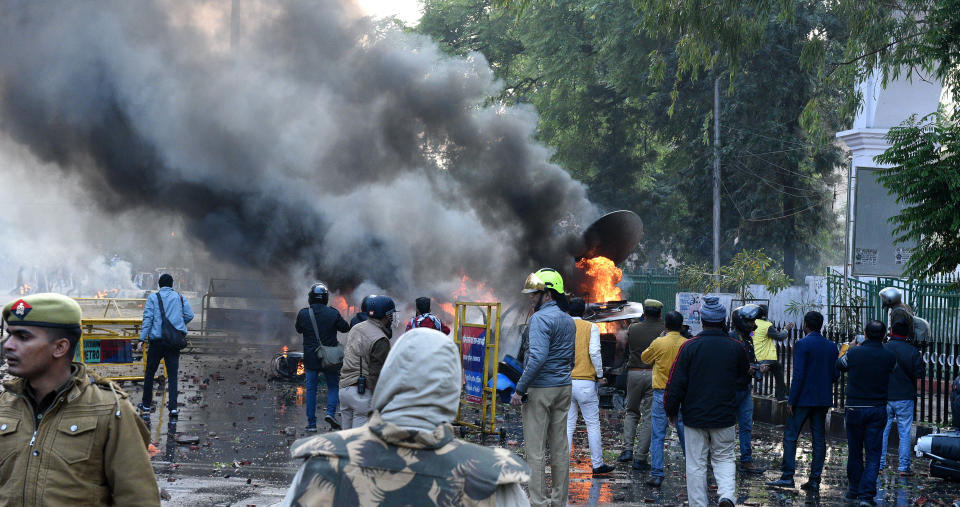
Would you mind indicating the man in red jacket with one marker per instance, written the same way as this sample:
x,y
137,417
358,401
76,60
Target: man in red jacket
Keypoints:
x,y
426,319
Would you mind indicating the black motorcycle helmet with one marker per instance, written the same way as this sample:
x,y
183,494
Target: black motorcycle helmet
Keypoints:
x,y
318,294
763,312
379,307
744,318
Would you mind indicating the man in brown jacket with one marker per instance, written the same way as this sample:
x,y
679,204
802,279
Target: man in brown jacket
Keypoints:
x,y
640,385
365,351
66,437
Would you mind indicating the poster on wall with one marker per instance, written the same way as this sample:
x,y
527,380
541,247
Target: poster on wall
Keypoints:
x,y
689,304
474,347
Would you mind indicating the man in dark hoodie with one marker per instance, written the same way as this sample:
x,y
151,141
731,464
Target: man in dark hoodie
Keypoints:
x,y
321,329
902,392
869,366
362,314
703,386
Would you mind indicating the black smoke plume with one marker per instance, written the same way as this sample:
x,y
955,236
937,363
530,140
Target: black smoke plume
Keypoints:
x,y
290,136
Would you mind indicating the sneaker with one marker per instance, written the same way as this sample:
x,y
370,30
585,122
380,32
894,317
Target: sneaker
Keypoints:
x,y
642,466
782,482
312,428
654,481
726,502
603,469
867,503
625,457
811,485
749,467
333,422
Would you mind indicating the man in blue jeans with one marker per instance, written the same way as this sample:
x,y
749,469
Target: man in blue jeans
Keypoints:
x,y
811,396
178,312
661,354
744,324
869,366
326,322
902,393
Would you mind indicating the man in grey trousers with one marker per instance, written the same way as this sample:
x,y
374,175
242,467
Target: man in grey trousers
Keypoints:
x,y
544,389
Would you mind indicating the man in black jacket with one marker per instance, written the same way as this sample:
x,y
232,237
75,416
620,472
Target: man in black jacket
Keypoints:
x,y
328,322
869,366
703,386
902,392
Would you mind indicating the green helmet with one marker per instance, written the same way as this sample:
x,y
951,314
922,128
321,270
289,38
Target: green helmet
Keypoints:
x,y
545,278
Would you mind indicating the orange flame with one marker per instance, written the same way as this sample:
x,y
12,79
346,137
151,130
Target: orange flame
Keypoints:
x,y
603,275
600,284
284,349
469,290
340,303
300,368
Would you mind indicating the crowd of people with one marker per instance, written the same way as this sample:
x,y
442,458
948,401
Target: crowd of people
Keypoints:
x,y
395,442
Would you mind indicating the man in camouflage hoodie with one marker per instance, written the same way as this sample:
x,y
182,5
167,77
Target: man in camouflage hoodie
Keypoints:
x,y
406,454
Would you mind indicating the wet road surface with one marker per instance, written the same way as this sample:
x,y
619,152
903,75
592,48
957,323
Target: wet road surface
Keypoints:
x,y
245,420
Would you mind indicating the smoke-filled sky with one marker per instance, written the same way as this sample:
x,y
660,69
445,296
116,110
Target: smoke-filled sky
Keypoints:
x,y
293,139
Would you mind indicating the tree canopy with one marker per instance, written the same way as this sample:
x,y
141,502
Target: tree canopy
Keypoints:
x,y
611,106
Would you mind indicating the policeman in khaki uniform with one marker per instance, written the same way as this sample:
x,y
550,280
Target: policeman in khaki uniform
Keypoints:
x,y
66,436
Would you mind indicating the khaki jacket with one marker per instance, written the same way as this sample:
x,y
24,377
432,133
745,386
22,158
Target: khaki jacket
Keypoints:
x,y
382,464
360,355
89,448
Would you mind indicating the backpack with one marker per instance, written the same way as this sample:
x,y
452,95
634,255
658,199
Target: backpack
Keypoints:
x,y
170,336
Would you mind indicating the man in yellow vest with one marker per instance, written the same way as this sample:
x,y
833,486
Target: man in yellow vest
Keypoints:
x,y
765,347
587,375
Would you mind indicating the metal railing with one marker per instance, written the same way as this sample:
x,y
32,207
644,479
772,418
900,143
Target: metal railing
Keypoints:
x,y
942,360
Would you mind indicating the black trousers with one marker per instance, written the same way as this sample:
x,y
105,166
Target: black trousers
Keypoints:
x,y
171,357
776,369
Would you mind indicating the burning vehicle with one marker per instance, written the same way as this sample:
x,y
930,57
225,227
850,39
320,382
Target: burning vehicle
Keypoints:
x,y
289,365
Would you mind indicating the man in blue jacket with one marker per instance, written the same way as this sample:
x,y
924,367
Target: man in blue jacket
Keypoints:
x,y
814,372
179,314
546,385
902,392
869,366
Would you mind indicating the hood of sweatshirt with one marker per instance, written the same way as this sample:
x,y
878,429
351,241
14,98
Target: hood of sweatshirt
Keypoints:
x,y
419,386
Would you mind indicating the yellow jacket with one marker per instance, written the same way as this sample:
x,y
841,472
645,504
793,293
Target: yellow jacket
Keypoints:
x,y
89,448
661,353
764,346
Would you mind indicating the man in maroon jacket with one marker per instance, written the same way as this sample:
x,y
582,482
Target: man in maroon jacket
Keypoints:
x,y
426,319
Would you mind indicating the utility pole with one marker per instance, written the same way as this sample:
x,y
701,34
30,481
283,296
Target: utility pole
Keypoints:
x,y
716,179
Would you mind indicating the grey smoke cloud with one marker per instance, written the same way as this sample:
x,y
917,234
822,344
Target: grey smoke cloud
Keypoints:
x,y
314,142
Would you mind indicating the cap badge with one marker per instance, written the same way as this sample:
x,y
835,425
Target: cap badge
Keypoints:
x,y
21,309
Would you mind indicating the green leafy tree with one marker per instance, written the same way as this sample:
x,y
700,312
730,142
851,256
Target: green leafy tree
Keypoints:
x,y
749,267
926,180
898,39
641,141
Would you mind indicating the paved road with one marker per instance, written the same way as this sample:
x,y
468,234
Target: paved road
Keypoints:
x,y
246,421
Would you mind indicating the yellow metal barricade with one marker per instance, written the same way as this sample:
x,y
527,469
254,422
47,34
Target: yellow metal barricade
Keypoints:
x,y
116,321
479,346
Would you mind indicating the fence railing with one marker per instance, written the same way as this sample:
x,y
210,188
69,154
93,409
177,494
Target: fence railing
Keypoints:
x,y
942,360
658,285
